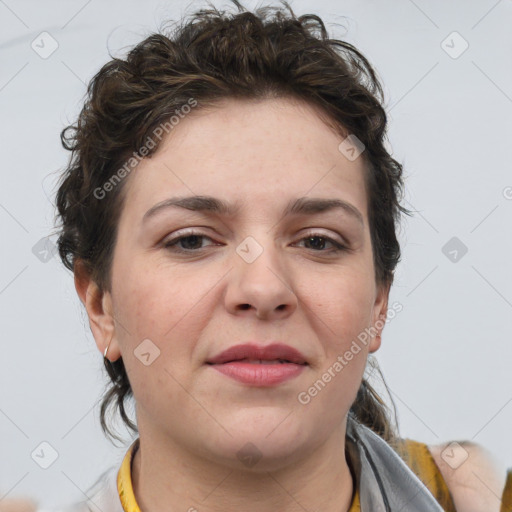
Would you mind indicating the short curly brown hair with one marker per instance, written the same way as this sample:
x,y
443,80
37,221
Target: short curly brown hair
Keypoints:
x,y
212,56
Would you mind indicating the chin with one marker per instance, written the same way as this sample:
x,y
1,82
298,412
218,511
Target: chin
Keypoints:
x,y
257,457
262,443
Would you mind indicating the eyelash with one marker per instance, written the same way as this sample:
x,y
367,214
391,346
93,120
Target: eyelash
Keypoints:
x,y
172,244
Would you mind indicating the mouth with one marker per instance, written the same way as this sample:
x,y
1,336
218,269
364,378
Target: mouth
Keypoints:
x,y
255,353
259,361
256,365
259,372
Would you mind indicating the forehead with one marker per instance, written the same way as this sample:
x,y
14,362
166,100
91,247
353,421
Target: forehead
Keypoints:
x,y
264,152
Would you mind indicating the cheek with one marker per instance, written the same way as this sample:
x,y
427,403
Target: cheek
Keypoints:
x,y
342,306
153,301
167,308
332,391
159,315
341,318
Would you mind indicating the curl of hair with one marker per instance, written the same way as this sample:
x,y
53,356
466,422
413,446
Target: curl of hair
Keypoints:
x,y
213,56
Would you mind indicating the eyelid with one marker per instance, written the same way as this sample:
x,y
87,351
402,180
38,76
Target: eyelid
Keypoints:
x,y
173,242
184,233
327,234
339,246
310,231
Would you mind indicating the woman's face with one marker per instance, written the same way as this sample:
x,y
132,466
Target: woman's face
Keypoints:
x,y
253,275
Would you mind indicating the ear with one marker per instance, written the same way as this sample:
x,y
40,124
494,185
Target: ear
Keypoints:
x,y
98,304
380,312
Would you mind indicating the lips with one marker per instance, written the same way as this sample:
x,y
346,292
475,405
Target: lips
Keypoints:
x,y
256,354
254,365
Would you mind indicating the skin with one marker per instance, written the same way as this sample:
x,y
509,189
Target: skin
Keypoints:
x,y
17,505
193,420
478,483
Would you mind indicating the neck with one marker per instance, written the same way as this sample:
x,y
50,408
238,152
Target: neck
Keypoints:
x,y
173,479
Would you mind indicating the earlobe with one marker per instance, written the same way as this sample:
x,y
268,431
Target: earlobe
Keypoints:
x,y
98,304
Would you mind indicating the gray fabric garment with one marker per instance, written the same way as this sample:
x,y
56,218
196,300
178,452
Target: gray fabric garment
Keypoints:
x,y
385,482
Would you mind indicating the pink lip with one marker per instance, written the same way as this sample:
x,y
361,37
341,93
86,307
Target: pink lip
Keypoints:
x,y
233,363
259,374
255,351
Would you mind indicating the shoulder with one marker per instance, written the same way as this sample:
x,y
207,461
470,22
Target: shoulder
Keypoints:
x,y
474,478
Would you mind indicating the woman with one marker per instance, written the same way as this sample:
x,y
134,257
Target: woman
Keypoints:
x,y
229,214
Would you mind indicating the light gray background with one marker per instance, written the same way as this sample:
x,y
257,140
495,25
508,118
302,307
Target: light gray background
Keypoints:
x,y
446,356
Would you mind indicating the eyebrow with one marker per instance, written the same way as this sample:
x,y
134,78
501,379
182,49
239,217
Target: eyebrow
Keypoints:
x,y
302,205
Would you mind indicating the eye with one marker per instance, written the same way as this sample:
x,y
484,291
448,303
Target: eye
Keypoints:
x,y
191,241
317,242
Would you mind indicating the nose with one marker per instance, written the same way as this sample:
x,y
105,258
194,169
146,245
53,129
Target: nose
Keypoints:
x,y
262,288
